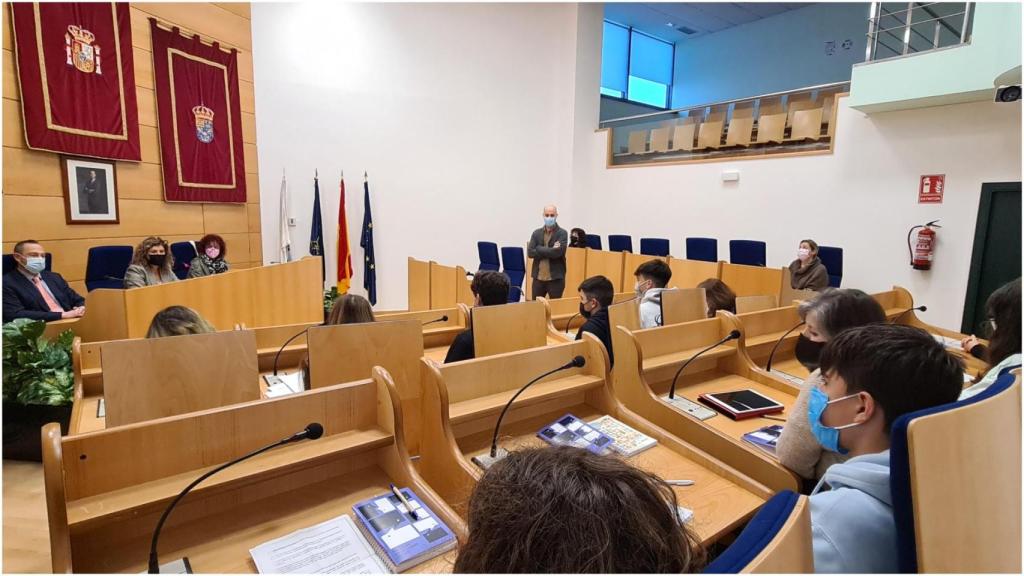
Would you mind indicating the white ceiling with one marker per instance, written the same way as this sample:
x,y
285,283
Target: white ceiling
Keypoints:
x,y
662,19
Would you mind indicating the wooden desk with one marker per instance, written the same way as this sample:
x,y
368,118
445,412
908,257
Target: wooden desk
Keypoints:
x,y
647,361
607,264
683,305
103,500
462,401
754,280
689,273
418,284
565,312
509,327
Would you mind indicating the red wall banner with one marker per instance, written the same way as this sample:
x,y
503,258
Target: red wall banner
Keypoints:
x,y
77,78
200,118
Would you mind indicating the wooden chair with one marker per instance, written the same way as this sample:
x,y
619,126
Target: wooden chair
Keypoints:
x,y
709,135
607,264
683,305
638,142
689,273
806,125
798,102
771,122
956,483
746,304
419,284
105,491
753,280
462,402
647,360
509,327
659,138
147,379
777,540
741,125
683,134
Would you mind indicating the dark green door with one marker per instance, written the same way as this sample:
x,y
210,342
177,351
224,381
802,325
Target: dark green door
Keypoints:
x,y
997,253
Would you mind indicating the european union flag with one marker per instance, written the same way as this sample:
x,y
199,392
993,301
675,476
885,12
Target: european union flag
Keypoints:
x,y
369,263
316,231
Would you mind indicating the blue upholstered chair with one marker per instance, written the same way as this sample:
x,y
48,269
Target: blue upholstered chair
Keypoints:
x,y
183,252
620,243
705,249
593,241
777,539
654,246
832,258
106,265
515,269
488,252
747,252
963,459
10,264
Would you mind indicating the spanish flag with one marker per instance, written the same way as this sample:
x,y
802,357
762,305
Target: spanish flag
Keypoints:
x,y
344,256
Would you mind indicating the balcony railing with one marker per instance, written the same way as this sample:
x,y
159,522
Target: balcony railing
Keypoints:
x,y
900,29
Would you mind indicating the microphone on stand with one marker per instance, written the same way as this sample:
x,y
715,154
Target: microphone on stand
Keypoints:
x,y
735,334
493,457
568,326
768,367
908,311
441,319
285,345
311,432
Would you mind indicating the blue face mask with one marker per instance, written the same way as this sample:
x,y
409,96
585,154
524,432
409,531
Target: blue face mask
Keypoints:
x,y
35,265
549,221
827,436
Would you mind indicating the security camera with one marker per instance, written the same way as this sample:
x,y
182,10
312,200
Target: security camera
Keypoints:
x,y
1008,94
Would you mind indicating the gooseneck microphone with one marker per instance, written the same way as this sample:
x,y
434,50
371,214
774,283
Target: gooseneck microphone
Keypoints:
x,y
735,334
441,319
908,311
577,362
768,367
285,345
568,325
311,432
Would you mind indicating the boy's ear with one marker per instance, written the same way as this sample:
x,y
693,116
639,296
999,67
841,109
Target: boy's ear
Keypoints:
x,y
867,408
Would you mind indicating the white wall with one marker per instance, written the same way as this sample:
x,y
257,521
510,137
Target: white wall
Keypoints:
x,y
779,53
862,198
461,113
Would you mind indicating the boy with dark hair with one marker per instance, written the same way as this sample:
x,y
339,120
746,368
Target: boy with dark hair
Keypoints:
x,y
596,294
872,375
489,288
651,278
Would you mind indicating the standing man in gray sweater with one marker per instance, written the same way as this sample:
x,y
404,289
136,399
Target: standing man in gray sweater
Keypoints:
x,y
547,248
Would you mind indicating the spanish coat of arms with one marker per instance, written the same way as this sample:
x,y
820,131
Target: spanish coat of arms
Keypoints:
x,y
80,50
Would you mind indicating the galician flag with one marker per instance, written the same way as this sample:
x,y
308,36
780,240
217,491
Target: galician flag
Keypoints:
x,y
344,254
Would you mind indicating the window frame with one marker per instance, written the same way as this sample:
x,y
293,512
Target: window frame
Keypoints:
x,y
629,52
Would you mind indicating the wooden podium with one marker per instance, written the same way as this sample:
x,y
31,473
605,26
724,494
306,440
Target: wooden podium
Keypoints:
x,y
287,293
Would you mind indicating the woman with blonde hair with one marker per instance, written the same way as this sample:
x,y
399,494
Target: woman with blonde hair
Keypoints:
x,y
178,321
152,264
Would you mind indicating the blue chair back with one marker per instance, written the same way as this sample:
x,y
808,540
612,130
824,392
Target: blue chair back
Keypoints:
x,y
106,266
515,269
654,246
488,252
832,258
705,249
903,496
620,243
10,264
757,535
183,253
747,252
593,241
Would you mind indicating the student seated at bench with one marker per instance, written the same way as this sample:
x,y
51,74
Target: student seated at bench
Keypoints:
x,y
1003,351
489,288
596,295
719,296
825,317
567,510
872,376
651,278
347,309
178,321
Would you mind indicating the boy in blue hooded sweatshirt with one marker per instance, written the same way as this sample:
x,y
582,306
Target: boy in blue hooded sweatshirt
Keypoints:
x,y
872,375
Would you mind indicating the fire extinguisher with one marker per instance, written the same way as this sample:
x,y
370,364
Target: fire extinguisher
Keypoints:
x,y
922,251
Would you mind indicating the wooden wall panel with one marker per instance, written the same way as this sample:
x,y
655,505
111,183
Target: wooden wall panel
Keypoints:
x,y
32,191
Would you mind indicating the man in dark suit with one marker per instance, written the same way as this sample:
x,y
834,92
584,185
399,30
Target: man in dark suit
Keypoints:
x,y
547,248
489,288
31,292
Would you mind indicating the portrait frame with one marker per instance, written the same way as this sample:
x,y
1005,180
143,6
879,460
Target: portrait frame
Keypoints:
x,y
89,200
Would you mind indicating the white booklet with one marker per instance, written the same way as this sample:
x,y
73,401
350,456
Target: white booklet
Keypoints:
x,y
627,441
332,547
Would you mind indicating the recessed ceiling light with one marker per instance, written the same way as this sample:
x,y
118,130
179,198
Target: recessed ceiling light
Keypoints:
x,y
669,24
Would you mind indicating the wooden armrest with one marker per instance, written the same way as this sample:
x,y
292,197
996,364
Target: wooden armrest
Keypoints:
x,y
492,404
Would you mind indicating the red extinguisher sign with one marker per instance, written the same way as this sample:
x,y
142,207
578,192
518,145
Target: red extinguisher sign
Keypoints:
x,y
931,189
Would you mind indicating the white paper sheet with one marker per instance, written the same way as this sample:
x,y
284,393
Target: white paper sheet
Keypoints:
x,y
331,547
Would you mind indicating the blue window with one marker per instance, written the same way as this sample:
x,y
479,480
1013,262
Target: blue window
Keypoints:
x,y
636,66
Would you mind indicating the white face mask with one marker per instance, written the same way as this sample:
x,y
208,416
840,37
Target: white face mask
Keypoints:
x,y
803,254
640,288
549,221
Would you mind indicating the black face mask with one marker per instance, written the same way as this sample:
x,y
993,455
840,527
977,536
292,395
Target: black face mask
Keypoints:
x,y
575,239
583,310
157,260
808,352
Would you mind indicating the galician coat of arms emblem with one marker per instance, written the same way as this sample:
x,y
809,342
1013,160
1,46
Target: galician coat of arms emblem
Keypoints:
x,y
81,53
204,123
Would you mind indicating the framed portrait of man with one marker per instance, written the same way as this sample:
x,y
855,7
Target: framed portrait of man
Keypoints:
x,y
90,190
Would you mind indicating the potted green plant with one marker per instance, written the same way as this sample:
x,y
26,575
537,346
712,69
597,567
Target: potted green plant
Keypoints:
x,y
38,386
329,297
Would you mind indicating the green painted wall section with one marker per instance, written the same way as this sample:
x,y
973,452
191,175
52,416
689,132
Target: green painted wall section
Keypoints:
x,y
952,75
